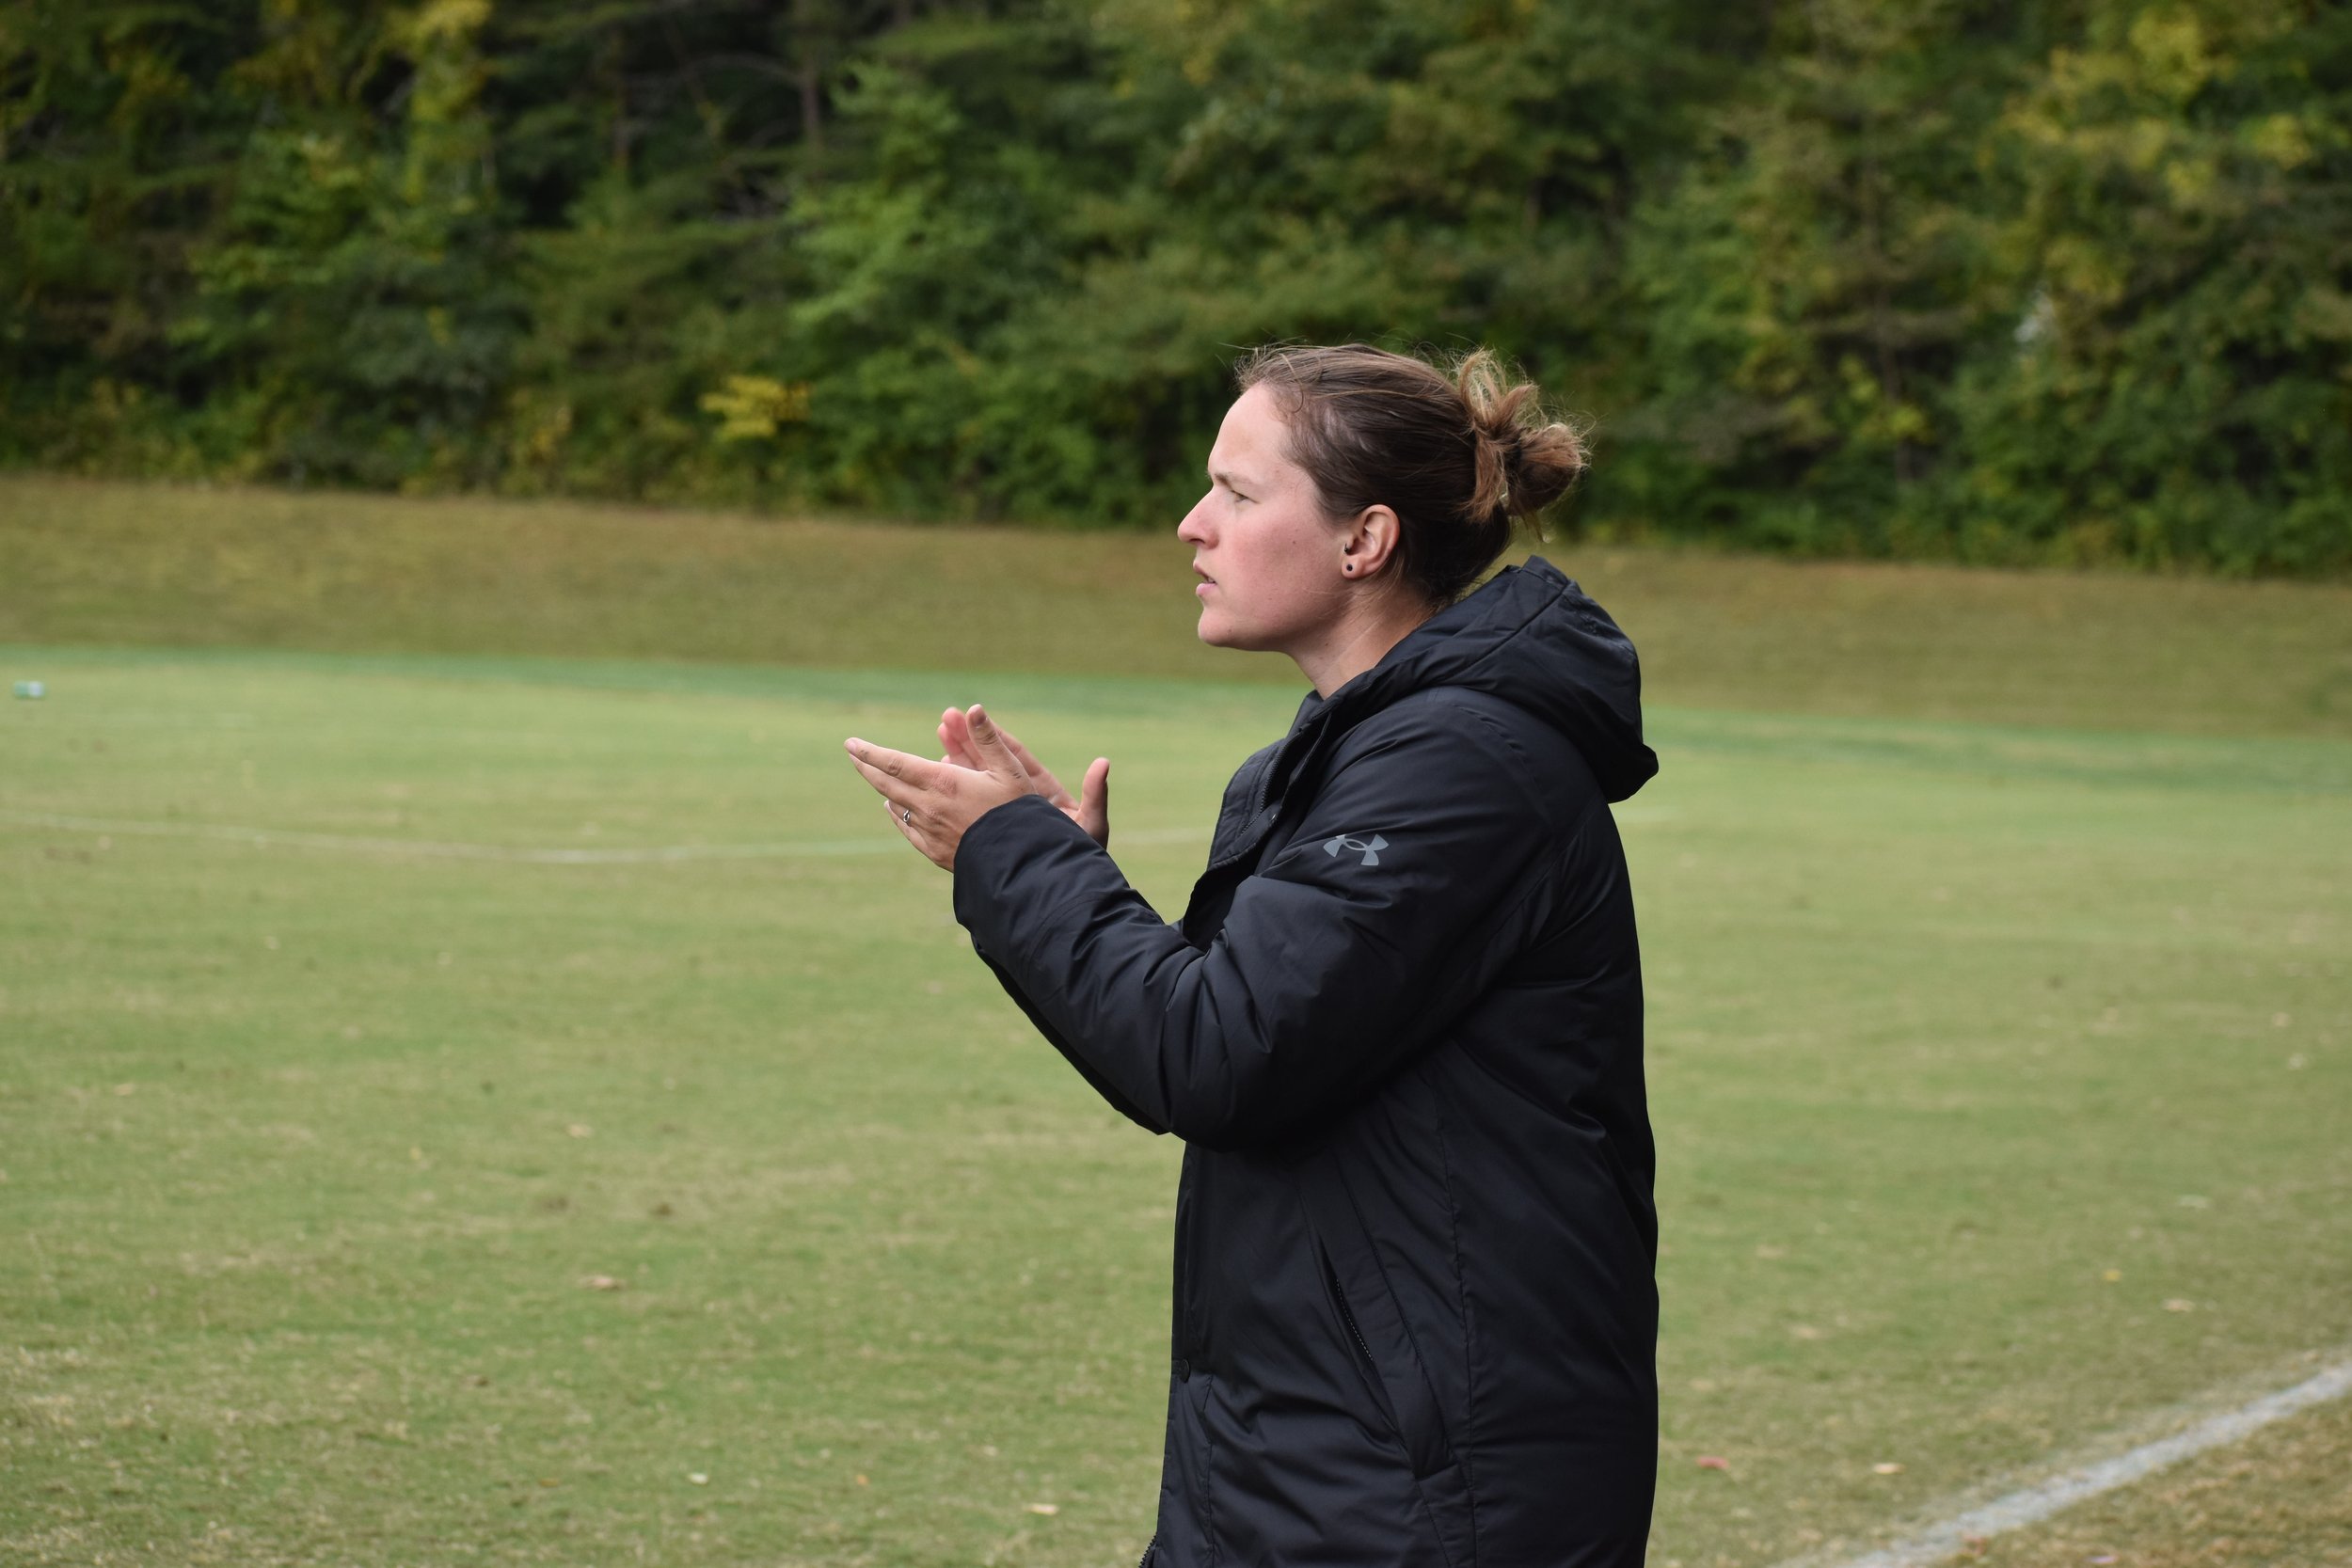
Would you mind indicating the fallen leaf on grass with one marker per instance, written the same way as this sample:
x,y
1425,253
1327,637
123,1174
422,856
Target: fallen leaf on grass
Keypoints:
x,y
1887,1467
1044,1508
699,1479
603,1282
2178,1304
579,1129
1713,1462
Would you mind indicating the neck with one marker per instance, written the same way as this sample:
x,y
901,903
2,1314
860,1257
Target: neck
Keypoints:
x,y
1359,638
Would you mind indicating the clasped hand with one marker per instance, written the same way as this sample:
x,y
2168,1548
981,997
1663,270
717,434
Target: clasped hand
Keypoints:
x,y
935,803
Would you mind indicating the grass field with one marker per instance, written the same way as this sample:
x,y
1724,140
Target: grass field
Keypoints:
x,y
580,1135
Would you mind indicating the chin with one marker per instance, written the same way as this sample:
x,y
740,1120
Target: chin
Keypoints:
x,y
1218,632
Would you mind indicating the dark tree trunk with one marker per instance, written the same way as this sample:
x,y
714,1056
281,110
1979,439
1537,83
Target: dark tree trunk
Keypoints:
x,y
806,45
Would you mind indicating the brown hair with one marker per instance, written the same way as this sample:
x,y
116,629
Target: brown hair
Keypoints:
x,y
1455,455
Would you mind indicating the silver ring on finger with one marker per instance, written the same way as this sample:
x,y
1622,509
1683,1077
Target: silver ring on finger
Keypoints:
x,y
906,815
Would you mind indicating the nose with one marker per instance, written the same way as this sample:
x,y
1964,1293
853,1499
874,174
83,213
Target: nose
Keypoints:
x,y
1194,530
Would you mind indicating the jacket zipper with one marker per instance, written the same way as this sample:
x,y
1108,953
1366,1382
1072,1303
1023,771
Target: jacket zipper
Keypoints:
x,y
1149,1546
1347,1316
1187,1203
1266,799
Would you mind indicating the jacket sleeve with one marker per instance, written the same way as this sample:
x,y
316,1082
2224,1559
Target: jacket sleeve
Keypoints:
x,y
1409,886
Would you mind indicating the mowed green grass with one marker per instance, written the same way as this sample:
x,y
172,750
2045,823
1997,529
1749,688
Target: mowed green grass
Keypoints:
x,y
2001,1076
2281,1498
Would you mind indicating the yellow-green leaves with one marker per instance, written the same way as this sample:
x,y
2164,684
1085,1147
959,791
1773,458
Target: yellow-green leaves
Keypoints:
x,y
752,407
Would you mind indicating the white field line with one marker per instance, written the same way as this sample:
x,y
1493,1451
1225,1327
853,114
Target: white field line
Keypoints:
x,y
2032,1504
270,838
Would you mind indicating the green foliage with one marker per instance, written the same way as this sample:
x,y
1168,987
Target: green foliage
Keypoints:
x,y
1994,280
2178,384
1810,279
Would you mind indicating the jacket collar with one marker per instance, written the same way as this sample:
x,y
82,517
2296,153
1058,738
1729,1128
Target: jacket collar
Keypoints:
x,y
1530,636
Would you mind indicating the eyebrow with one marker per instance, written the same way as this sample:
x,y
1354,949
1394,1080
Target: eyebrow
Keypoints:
x,y
1227,478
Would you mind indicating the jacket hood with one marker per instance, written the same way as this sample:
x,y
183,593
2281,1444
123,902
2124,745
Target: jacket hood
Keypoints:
x,y
1531,637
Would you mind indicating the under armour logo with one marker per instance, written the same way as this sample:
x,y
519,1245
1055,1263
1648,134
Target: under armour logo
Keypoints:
x,y
1347,841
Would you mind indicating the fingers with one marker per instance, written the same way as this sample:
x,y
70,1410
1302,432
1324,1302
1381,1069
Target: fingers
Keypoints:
x,y
898,777
1037,771
958,739
955,738
1094,802
912,828
894,793
932,803
925,800
989,746
916,772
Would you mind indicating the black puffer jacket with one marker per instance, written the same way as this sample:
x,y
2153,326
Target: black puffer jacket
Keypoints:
x,y
1399,1029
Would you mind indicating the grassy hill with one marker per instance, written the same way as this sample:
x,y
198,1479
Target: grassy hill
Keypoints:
x,y
86,563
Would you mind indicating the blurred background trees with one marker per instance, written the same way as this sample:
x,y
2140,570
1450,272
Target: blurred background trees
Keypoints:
x,y
1992,280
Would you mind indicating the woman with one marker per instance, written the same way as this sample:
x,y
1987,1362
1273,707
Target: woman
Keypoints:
x,y
1399,1026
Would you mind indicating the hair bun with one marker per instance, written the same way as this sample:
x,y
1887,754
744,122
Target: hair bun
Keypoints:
x,y
1456,452
1526,460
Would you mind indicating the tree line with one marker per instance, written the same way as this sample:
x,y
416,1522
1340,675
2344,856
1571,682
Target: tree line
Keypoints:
x,y
2000,281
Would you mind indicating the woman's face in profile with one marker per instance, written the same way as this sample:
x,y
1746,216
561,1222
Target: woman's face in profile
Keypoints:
x,y
1268,557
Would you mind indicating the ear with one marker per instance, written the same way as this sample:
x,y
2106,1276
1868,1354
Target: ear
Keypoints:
x,y
1368,542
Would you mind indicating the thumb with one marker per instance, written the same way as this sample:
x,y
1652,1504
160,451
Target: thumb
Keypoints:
x,y
1094,802
988,748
